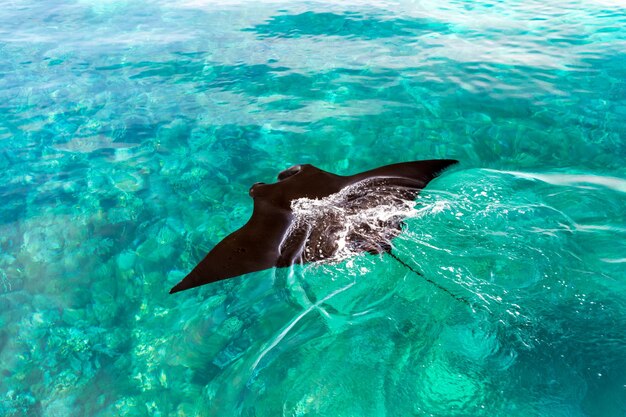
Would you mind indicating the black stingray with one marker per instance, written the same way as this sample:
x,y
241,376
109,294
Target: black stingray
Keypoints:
x,y
278,236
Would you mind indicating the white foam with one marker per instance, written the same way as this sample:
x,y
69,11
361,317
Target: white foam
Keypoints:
x,y
613,183
276,340
340,225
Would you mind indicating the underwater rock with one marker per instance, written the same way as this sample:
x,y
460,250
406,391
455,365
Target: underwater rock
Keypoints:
x,y
73,316
151,250
127,182
172,136
126,260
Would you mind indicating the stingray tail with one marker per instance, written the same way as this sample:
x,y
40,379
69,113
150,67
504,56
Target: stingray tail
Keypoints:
x,y
410,268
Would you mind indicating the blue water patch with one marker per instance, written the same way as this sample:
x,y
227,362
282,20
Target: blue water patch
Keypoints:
x,y
130,133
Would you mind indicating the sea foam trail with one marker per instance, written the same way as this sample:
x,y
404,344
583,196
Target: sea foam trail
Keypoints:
x,y
613,183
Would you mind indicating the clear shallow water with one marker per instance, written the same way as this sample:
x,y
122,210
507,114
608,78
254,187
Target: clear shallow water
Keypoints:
x,y
130,133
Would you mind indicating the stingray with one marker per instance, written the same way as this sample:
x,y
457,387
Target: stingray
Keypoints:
x,y
311,215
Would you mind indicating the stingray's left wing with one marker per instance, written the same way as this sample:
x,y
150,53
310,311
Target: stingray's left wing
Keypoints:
x,y
252,248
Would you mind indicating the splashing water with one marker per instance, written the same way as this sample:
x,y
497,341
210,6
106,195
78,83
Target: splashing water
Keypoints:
x,y
362,217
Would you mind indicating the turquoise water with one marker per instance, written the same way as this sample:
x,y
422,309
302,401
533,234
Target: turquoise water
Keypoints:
x,y
130,133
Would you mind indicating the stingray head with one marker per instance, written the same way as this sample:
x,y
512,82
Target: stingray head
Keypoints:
x,y
298,181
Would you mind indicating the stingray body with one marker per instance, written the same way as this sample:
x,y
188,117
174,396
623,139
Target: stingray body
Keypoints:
x,y
304,218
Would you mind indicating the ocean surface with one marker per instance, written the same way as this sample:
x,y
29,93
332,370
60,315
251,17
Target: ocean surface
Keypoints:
x,y
131,131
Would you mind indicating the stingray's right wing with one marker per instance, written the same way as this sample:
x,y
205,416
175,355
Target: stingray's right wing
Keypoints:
x,y
364,215
416,174
252,248
398,181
